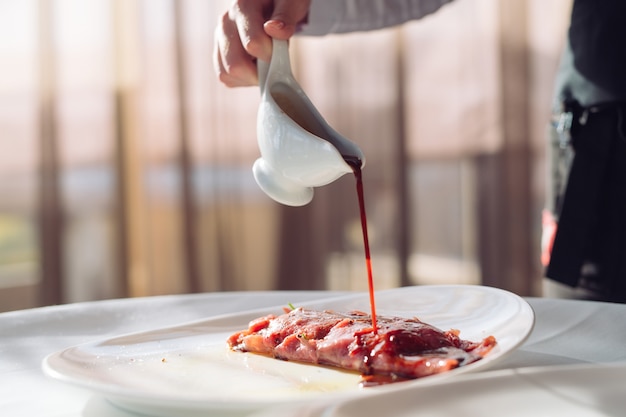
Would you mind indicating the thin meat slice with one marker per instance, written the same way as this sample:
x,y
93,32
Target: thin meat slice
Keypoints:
x,y
400,348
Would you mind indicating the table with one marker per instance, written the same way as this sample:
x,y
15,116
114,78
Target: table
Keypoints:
x,y
566,332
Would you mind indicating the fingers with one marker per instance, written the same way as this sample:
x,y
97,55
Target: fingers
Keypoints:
x,y
240,40
234,66
244,34
286,16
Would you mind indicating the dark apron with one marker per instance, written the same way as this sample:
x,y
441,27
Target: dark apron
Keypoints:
x,y
589,247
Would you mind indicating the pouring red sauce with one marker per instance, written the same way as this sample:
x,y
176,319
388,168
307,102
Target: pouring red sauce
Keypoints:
x,y
355,164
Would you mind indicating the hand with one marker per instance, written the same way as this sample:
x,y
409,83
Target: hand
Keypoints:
x,y
244,33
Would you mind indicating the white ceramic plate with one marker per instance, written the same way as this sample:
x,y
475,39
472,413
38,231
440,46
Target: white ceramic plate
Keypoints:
x,y
568,390
189,368
581,390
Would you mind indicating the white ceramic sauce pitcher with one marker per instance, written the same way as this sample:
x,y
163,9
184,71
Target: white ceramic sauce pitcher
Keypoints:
x,y
299,150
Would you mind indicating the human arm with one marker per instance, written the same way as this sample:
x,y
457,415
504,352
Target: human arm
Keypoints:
x,y
244,32
332,16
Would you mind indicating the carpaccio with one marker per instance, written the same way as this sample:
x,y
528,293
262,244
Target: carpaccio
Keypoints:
x,y
398,349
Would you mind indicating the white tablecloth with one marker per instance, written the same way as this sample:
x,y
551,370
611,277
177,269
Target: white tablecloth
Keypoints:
x,y
566,332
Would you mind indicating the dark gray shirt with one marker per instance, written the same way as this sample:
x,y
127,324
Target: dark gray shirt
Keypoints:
x,y
593,66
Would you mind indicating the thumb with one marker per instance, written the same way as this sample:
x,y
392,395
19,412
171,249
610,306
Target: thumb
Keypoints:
x,y
286,17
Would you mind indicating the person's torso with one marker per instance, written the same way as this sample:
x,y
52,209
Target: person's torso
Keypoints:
x,y
593,66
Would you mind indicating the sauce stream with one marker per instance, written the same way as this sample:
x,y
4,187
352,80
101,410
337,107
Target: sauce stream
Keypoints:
x,y
355,164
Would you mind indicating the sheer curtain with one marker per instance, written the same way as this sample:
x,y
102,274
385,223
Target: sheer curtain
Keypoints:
x,y
125,165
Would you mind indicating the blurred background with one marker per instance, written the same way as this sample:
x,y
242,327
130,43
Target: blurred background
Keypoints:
x,y
125,167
